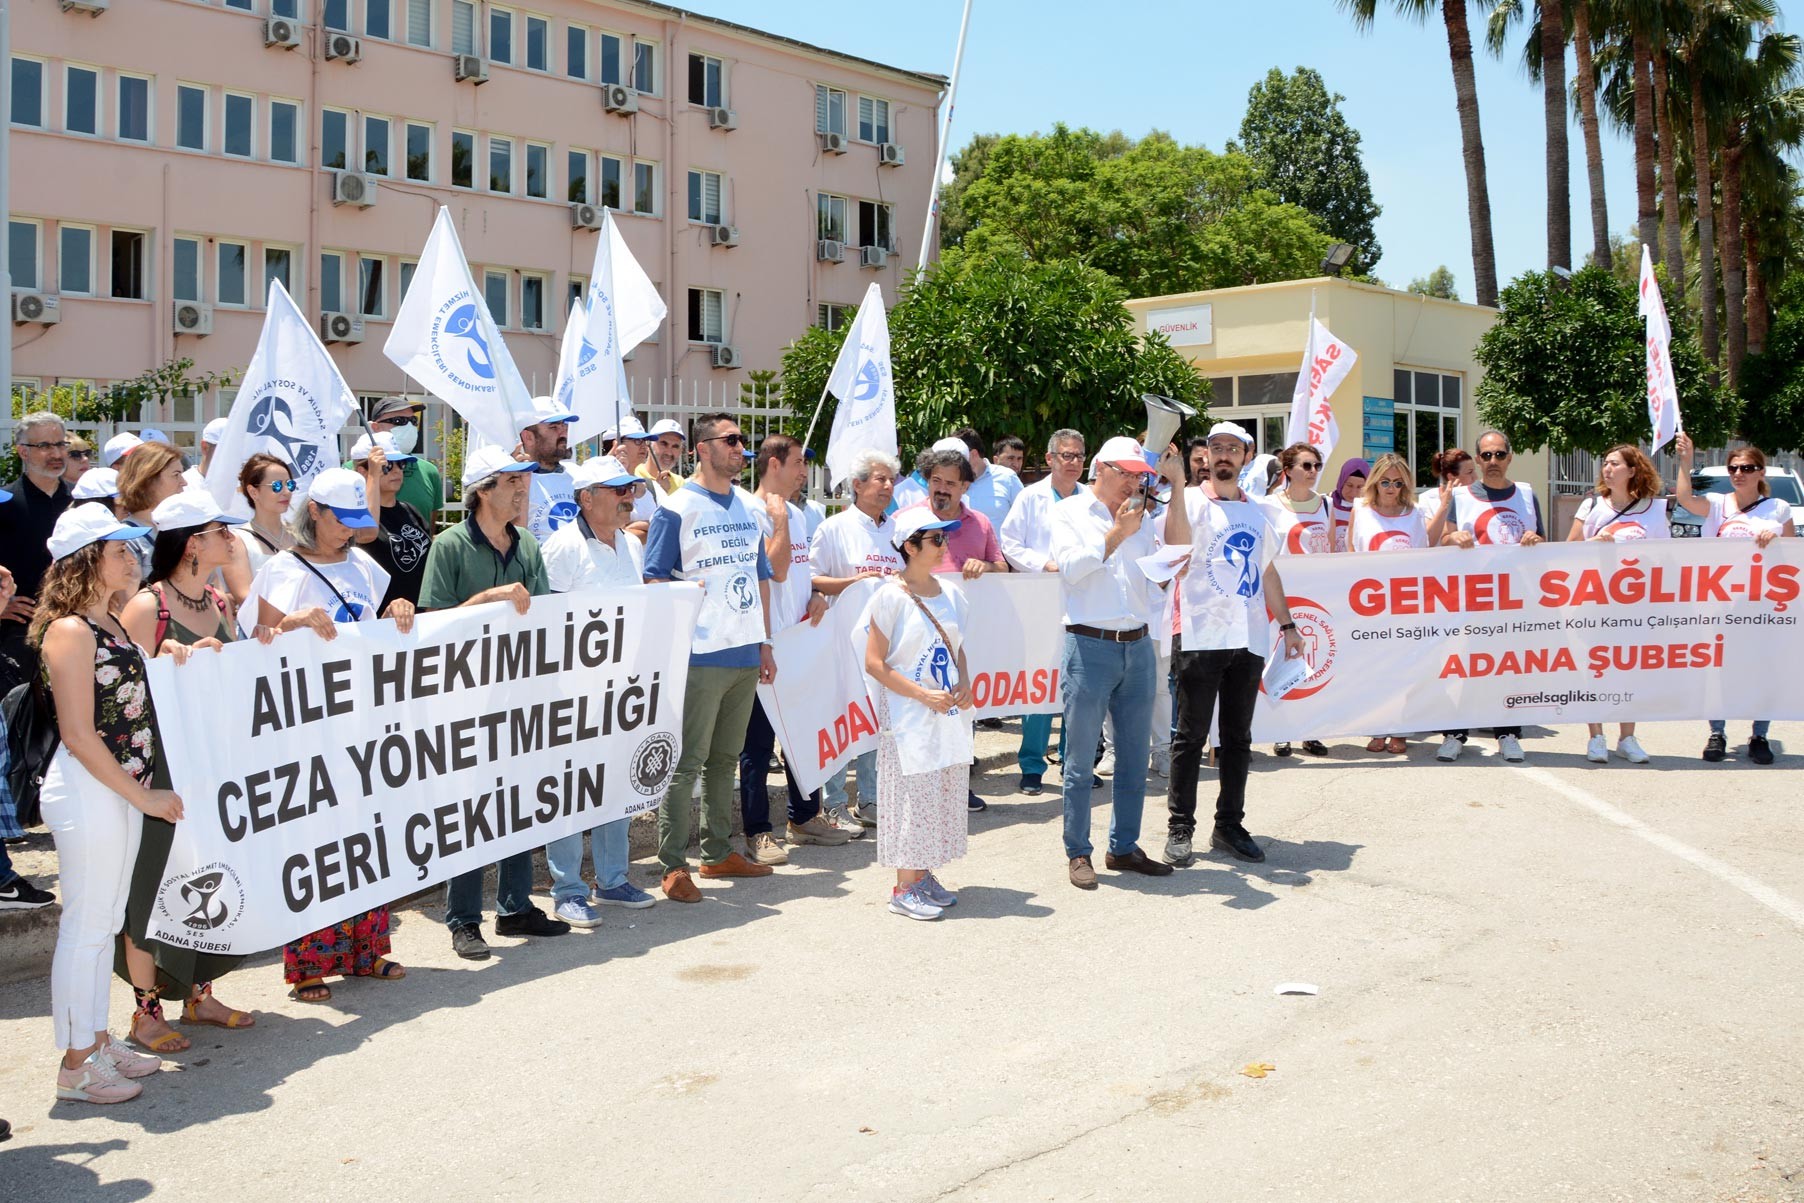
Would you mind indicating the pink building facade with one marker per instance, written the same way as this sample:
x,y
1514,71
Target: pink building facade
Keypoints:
x,y
170,157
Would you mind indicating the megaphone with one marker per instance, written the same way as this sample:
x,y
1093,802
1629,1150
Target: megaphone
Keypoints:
x,y
1163,417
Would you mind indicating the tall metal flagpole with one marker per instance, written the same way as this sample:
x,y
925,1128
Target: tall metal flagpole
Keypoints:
x,y
943,148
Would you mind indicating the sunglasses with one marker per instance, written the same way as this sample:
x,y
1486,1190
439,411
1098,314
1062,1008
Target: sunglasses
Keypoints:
x,y
1390,484
276,486
1738,469
731,440
81,455
935,537
1308,467
1489,456
408,420
624,490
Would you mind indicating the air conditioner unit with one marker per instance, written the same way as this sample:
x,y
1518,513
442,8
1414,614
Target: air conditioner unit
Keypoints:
x,y
472,67
889,154
829,251
873,256
585,217
723,235
340,328
343,46
721,118
618,98
37,307
726,357
353,188
832,143
92,7
192,317
280,31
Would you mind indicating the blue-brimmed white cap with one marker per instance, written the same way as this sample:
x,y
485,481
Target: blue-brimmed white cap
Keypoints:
x,y
915,519
341,491
190,507
668,426
80,525
545,409
490,460
118,447
602,470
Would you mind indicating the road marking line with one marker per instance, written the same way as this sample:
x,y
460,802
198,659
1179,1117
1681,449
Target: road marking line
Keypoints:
x,y
1759,891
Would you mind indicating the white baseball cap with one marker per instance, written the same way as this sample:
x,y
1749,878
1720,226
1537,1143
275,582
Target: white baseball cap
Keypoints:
x,y
150,434
96,484
215,430
1124,453
341,491
1230,430
118,447
486,461
360,450
915,519
80,525
952,443
601,470
630,428
545,409
668,426
190,507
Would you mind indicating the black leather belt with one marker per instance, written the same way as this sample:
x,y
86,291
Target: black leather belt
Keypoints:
x,y
1133,636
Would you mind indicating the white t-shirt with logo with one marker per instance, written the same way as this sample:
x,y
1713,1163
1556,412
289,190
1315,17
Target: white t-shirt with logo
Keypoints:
x,y
1769,513
573,560
1373,531
1495,522
925,739
1644,519
1222,606
788,598
550,503
1308,533
719,549
849,543
289,585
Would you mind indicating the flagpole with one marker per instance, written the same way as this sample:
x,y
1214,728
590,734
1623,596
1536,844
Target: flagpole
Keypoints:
x,y
818,406
943,148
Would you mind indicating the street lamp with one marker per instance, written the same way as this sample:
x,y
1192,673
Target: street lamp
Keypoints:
x,y
1337,258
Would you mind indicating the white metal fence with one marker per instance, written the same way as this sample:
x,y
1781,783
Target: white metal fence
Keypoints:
x,y
1576,471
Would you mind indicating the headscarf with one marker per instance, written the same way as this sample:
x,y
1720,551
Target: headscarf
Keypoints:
x,y
1353,467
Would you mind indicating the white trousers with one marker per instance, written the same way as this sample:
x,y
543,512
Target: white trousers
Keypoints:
x,y
96,835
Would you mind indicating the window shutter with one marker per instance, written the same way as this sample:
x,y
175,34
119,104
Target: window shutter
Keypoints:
x,y
419,22
820,109
463,27
711,316
867,119
711,196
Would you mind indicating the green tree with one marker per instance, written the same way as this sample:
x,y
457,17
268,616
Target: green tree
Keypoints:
x,y
1565,368
1007,344
967,165
1307,154
85,407
1772,385
1437,283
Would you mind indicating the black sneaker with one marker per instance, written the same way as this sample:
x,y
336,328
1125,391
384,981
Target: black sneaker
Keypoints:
x,y
467,942
1759,751
530,922
973,803
989,724
20,895
1032,785
1716,747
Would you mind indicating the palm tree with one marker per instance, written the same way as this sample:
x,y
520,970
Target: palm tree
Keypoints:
x,y
1545,58
1465,90
1670,192
1584,83
1765,114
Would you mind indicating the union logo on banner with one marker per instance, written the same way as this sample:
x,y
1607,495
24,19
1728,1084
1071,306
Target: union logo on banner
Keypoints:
x,y
1315,626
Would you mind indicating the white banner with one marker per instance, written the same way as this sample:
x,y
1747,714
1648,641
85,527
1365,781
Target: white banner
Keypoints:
x,y
1559,633
325,779
818,706
1662,390
1326,362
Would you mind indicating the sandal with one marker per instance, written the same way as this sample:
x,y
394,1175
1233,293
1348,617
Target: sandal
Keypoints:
x,y
1396,744
1375,744
150,1007
233,1020
312,990
385,970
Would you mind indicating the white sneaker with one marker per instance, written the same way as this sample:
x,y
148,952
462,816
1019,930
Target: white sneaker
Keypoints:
x,y
127,1061
1161,763
95,1080
845,822
1106,766
1511,748
913,904
1450,750
1597,750
1630,749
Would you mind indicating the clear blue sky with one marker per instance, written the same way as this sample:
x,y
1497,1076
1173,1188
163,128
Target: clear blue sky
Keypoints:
x,y
1186,65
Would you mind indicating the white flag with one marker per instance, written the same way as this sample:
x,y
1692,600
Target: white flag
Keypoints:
x,y
623,310
865,418
569,351
445,338
1662,389
1326,362
291,403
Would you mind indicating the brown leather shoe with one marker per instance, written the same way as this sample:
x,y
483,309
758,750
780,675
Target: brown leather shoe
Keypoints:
x,y
678,887
736,866
1137,862
1396,745
1083,876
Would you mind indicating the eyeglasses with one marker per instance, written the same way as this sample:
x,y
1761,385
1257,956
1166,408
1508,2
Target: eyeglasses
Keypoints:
x,y
1224,448
1490,456
935,537
1070,457
1304,467
624,490
732,440
1750,468
1390,484
60,446
276,486
209,530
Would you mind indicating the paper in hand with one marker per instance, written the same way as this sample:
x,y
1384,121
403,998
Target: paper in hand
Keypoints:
x,y
1163,564
1283,673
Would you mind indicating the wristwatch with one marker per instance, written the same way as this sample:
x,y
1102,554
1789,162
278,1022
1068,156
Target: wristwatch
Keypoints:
x,y
1286,626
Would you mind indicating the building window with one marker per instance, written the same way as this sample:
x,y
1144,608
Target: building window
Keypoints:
x,y
134,108
408,267
240,117
834,316
538,44
376,19
463,159
576,167
369,286
277,265
28,92
419,23
128,265
494,291
613,174
81,100
375,145
645,188
419,152
190,117
284,131
75,260
705,306
830,211
230,279
334,139
463,27
22,244
1427,417
579,287
873,119
532,301
874,225
185,282
829,110
501,35
285,8
243,6
576,52
501,165
645,68
611,73
332,281
336,14
538,170
705,76
704,197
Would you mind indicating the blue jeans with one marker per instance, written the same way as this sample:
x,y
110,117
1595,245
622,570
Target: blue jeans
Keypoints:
x,y
513,892
1036,733
1761,727
835,789
565,860
1103,677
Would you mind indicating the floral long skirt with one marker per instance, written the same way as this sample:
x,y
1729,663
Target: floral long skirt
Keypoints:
x,y
348,949
922,819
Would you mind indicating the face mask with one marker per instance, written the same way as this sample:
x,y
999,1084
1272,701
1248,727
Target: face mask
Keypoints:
x,y
405,438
